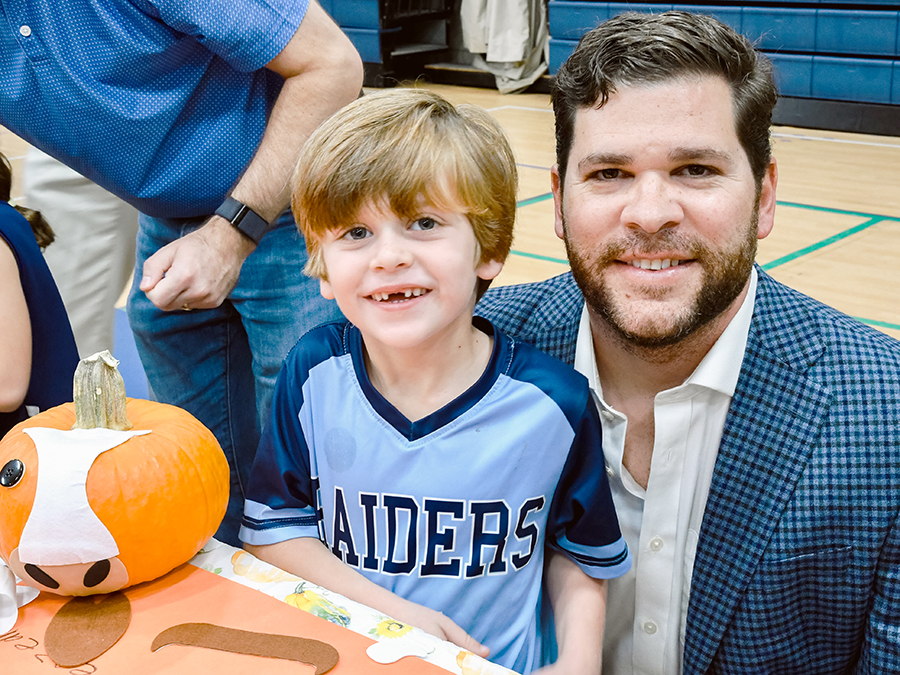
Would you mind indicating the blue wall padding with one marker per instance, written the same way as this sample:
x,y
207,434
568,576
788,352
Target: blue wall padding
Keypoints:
x,y
616,8
356,14
560,50
847,79
895,94
367,43
782,28
793,74
805,44
730,16
570,20
856,32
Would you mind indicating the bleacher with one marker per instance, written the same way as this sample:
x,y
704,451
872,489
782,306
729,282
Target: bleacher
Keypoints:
x,y
394,38
837,65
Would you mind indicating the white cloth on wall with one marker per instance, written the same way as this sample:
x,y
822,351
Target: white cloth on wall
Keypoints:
x,y
509,39
93,255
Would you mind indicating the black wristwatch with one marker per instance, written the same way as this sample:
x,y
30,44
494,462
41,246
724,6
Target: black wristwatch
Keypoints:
x,y
247,221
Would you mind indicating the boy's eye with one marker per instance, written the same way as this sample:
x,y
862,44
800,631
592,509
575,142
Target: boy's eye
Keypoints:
x,y
358,232
424,224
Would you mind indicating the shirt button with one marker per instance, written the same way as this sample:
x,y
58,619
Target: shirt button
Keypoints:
x,y
649,628
605,414
656,544
24,31
610,472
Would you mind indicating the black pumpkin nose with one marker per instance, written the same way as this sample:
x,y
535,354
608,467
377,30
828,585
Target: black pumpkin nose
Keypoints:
x,y
12,473
41,576
97,574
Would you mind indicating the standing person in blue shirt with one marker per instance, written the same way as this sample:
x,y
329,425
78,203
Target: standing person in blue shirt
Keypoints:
x,y
187,109
37,349
417,461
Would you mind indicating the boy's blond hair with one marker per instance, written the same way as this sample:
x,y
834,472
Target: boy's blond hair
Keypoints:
x,y
402,146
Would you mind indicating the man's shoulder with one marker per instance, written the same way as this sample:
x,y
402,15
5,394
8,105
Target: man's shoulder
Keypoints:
x,y
809,334
544,314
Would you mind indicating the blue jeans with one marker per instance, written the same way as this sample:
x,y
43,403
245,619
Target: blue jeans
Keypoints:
x,y
220,364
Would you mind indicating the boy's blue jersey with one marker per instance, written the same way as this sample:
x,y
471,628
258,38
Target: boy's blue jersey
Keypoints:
x,y
452,511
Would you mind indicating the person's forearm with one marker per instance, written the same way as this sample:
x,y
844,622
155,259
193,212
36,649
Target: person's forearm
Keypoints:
x,y
309,559
579,614
15,339
322,73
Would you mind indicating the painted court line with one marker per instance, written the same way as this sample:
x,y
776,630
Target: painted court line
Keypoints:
x,y
533,166
872,220
775,134
843,212
521,107
880,324
534,200
822,244
793,205
535,256
828,139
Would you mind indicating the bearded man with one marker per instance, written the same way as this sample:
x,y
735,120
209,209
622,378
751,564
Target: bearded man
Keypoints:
x,y
751,434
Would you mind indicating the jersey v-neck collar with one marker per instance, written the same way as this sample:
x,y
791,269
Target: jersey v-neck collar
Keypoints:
x,y
453,410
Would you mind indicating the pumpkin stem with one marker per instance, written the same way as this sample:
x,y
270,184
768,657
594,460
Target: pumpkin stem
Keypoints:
x,y
99,394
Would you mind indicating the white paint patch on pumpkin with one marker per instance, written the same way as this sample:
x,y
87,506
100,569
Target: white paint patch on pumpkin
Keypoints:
x,y
62,529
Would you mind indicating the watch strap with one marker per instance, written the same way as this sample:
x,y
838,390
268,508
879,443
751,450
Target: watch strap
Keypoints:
x,y
246,220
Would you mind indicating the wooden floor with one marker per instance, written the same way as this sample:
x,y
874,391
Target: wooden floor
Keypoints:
x,y
837,224
837,230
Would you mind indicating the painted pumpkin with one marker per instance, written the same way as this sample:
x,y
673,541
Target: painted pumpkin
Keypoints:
x,y
150,501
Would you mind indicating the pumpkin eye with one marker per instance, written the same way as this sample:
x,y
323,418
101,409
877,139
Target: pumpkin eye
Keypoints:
x,y
41,576
98,572
12,473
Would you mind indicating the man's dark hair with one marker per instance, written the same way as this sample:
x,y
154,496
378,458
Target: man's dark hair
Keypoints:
x,y
634,48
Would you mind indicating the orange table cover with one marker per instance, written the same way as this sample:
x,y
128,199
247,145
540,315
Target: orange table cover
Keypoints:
x,y
188,595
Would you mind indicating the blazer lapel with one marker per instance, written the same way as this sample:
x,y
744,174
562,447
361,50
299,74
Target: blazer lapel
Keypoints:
x,y
772,425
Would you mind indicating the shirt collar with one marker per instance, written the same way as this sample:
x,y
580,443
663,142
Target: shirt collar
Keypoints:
x,y
719,369
721,366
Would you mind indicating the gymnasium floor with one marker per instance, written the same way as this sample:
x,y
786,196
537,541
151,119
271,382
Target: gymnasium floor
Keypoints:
x,y
837,229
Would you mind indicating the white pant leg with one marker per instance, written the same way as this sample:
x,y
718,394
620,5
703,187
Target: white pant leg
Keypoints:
x,y
93,255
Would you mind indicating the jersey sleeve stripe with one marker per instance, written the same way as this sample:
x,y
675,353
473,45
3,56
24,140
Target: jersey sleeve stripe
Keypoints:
x,y
599,562
263,525
257,512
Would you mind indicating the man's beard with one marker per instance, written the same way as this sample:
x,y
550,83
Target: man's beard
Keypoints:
x,y
725,274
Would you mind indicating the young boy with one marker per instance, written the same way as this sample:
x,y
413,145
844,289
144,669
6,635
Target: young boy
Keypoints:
x,y
434,457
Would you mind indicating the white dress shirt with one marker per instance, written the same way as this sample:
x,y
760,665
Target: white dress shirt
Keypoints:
x,y
647,608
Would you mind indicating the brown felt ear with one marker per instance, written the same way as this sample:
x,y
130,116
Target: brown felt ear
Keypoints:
x,y
321,655
85,627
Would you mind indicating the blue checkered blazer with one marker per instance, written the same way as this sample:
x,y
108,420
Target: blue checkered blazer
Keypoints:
x,y
798,564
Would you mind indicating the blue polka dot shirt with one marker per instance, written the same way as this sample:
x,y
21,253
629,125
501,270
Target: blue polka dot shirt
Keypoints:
x,y
162,102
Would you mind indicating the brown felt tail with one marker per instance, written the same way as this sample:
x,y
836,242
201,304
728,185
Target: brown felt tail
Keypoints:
x,y
322,656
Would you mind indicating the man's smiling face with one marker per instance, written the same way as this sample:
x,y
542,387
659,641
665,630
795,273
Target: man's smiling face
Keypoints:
x,y
659,211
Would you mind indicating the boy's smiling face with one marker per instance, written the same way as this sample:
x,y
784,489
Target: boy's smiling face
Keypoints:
x,y
405,282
